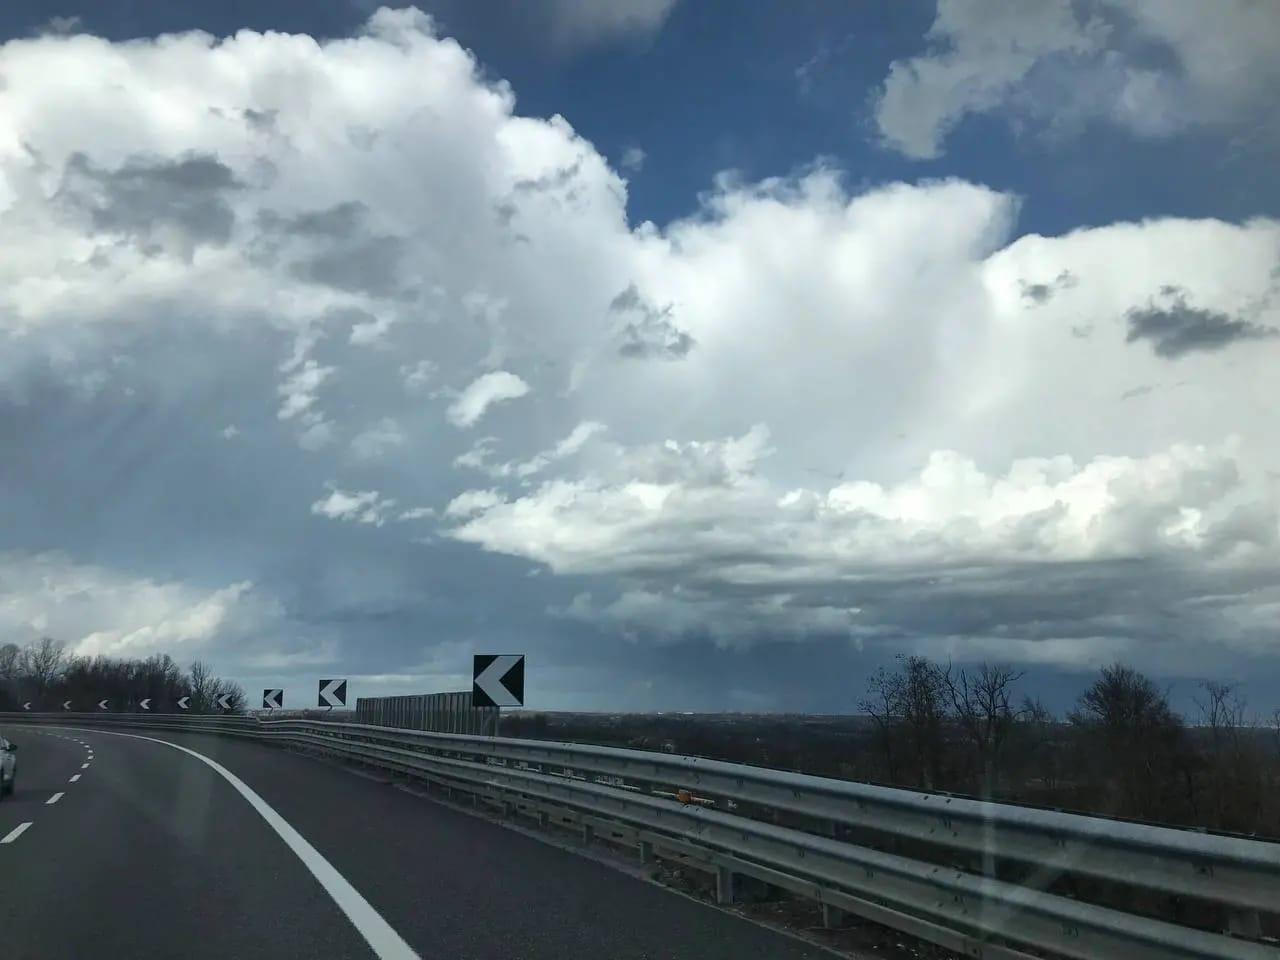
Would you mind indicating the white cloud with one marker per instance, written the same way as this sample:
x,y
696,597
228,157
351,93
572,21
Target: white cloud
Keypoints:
x,y
1151,68
378,440
95,610
472,502
578,23
632,159
317,433
417,513
418,376
369,332
362,506
498,386
711,498
479,457
298,393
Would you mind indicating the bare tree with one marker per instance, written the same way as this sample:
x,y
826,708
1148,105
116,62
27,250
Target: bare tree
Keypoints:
x,y
1037,731
43,663
1221,708
1236,781
202,684
233,691
982,701
881,704
10,661
1134,742
909,708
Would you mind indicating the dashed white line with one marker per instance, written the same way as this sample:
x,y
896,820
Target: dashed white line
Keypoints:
x,y
84,766
380,935
16,832
54,799
74,778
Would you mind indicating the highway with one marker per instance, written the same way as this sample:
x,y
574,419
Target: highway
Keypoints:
x,y
152,852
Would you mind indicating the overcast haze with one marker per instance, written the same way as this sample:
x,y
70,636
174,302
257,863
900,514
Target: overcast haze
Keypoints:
x,y
325,352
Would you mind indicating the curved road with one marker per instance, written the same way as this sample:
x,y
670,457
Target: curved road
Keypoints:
x,y
151,852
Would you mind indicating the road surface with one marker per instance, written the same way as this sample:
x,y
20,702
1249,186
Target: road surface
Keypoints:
x,y
152,852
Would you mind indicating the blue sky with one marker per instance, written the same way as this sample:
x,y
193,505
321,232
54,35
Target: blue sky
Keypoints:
x,y
812,334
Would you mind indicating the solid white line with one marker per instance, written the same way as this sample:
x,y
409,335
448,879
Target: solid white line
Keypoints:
x,y
16,832
380,935
74,778
54,799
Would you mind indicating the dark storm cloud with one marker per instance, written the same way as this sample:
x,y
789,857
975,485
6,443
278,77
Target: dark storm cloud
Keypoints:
x,y
648,331
1175,328
341,250
189,194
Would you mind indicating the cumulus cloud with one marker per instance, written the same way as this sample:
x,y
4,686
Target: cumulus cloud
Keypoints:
x,y
711,545
1154,69
378,440
362,506
94,610
482,393
298,393
648,331
480,456
802,412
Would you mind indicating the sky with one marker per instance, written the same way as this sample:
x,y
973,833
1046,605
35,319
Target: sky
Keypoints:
x,y
712,355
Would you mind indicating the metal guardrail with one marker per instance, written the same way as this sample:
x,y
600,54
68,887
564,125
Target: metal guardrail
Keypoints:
x,y
928,864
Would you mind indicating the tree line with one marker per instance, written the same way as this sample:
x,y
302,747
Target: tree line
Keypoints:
x,y
46,675
1121,750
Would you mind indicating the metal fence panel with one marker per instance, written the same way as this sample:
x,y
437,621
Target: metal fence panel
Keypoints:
x,y
434,712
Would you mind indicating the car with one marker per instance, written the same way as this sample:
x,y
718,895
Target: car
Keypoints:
x,y
8,766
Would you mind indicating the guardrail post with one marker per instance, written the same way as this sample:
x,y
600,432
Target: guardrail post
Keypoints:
x,y
832,916
588,834
724,885
646,851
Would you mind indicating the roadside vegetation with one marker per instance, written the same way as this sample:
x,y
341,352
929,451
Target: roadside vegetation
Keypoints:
x,y
45,675
1121,750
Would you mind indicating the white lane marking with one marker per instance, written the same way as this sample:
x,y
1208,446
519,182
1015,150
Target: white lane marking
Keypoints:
x,y
54,799
16,832
74,778
380,935
84,766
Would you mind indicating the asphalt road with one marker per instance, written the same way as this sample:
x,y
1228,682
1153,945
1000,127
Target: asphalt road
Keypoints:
x,y
154,853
